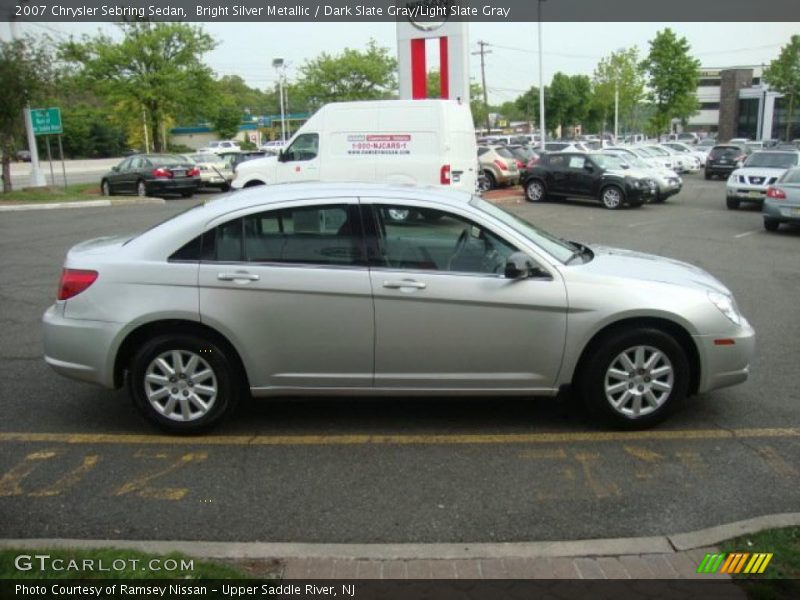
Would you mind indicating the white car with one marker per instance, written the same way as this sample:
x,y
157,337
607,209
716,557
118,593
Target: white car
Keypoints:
x,y
273,147
668,182
700,153
657,162
219,146
566,147
214,170
760,170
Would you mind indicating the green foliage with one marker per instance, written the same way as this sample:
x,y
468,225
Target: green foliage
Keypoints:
x,y
156,67
672,76
567,100
25,73
783,75
89,132
226,119
619,71
351,75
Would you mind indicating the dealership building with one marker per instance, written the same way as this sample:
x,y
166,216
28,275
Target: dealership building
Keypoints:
x,y
735,102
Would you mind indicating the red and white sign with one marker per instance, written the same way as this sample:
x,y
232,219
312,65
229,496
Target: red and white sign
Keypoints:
x,y
385,144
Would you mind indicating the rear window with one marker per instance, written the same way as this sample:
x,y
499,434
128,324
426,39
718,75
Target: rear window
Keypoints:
x,y
161,161
792,176
773,160
720,151
504,152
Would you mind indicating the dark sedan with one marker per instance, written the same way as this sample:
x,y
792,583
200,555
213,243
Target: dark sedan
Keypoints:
x,y
580,175
152,174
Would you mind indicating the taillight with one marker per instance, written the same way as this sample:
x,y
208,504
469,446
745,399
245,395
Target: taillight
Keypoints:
x,y
162,172
776,193
532,162
444,175
74,281
193,172
520,164
500,164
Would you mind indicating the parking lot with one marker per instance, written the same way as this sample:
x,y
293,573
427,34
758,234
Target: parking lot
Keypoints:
x,y
78,462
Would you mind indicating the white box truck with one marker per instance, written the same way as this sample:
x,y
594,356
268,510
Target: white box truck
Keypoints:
x,y
419,142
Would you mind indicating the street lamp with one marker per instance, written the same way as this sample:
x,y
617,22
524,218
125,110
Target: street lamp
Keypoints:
x,y
541,81
277,64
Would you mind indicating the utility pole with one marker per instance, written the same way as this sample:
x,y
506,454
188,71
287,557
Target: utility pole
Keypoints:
x,y
483,51
542,127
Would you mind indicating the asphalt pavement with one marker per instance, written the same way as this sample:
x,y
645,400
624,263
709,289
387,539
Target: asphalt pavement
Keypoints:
x,y
77,461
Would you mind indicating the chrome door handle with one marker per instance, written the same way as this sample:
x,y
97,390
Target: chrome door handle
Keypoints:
x,y
406,283
238,276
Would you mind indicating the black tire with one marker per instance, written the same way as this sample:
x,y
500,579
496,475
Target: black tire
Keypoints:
x,y
225,187
731,203
659,198
491,182
224,379
187,194
535,191
612,197
708,174
141,189
105,188
591,381
253,183
771,224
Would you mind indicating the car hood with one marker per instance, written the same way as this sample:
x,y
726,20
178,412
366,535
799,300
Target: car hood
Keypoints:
x,y
618,262
759,172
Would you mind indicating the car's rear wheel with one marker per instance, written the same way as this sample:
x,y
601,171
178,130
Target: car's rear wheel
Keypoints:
x,y
491,182
187,194
182,383
141,188
105,188
732,203
771,224
635,378
534,191
612,197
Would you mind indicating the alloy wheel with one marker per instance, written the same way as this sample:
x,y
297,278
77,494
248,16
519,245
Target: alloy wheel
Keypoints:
x,y
639,381
180,385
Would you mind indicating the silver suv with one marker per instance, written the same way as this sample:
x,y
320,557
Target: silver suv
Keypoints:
x,y
749,182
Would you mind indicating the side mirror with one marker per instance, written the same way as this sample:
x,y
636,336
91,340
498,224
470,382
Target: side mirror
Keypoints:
x,y
115,168
519,266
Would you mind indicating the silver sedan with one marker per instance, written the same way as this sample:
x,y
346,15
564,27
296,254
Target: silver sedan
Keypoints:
x,y
314,289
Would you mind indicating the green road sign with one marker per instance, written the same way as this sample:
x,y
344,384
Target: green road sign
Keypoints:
x,y
46,121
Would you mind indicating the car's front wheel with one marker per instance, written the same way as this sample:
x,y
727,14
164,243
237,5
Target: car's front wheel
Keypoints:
x,y
182,383
633,379
732,203
141,188
105,188
771,224
612,197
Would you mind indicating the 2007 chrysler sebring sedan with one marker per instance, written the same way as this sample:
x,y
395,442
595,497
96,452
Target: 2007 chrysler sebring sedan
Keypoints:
x,y
316,289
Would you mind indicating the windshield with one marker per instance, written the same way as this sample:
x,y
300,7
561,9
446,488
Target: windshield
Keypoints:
x,y
772,160
656,151
630,160
792,176
205,157
548,242
163,161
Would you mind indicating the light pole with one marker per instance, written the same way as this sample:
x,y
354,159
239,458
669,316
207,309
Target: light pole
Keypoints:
x,y
616,109
542,127
277,63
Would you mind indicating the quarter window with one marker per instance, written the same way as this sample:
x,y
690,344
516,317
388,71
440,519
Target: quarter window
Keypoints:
x,y
433,240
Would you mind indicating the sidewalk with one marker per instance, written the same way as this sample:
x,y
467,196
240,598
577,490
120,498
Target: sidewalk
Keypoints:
x,y
675,556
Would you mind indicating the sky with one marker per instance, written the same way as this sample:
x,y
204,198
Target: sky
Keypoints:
x,y
247,49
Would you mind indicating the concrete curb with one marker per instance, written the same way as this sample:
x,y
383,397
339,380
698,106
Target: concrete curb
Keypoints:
x,y
80,204
580,548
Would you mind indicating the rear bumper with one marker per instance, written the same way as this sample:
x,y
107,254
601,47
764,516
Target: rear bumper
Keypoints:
x,y
779,211
173,185
80,349
725,365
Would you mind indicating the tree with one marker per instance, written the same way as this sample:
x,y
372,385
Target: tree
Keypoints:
x,y
25,72
156,67
783,75
351,75
226,119
567,100
620,71
673,75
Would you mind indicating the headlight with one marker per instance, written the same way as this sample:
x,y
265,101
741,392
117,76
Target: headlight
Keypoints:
x,y
727,306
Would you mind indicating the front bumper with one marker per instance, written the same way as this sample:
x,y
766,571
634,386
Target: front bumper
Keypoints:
x,y
723,365
669,187
80,349
746,192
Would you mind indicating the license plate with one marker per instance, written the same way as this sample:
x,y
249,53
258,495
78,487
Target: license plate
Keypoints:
x,y
723,161
754,194
795,212
178,173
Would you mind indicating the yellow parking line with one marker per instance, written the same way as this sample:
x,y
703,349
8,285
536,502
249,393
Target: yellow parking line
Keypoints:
x,y
401,439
